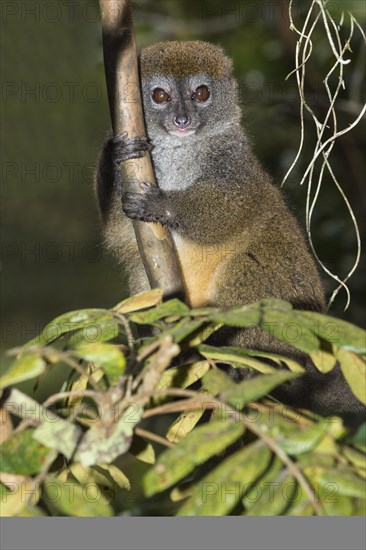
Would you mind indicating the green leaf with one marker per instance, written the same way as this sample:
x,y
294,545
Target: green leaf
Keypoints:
x,y
184,328
356,458
143,300
217,381
57,433
106,356
183,376
246,316
202,334
256,495
324,360
290,327
302,508
354,370
308,459
200,445
184,424
335,505
340,333
276,496
171,308
72,499
22,455
101,330
255,388
275,317
292,437
221,489
31,512
359,438
65,323
204,312
76,382
142,450
340,480
104,475
13,502
117,477
280,360
230,355
98,446
25,367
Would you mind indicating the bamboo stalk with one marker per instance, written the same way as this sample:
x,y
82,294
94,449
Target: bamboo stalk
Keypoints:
x,y
120,60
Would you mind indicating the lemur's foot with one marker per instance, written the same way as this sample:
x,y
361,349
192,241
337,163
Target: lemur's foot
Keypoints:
x,y
124,148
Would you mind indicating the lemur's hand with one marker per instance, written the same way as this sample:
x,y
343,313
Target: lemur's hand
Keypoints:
x,y
123,148
149,206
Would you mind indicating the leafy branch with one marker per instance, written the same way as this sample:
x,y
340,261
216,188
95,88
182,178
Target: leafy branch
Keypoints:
x,y
109,437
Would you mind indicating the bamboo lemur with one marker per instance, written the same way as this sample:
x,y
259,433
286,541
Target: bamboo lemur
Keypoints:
x,y
236,240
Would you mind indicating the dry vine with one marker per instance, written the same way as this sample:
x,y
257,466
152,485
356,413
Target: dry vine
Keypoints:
x,y
317,13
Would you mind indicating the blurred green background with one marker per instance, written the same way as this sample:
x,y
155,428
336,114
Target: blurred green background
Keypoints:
x,y
55,116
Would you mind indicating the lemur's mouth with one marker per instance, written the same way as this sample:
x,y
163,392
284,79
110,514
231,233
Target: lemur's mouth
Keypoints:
x,y
182,132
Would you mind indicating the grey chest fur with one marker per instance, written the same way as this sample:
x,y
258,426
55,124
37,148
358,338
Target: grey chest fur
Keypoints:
x,y
177,166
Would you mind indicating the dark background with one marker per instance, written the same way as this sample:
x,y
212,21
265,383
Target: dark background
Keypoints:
x,y
55,116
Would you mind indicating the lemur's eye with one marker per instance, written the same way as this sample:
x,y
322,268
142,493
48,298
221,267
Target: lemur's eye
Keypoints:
x,y
201,94
160,96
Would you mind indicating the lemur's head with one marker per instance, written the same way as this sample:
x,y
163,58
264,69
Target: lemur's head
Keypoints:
x,y
188,89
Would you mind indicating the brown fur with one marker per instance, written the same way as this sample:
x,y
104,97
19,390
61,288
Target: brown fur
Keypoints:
x,y
181,59
236,239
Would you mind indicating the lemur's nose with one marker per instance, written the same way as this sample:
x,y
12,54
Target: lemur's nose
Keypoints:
x,y
182,121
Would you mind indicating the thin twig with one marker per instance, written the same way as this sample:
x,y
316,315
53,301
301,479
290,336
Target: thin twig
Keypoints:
x,y
153,437
179,406
126,325
73,393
